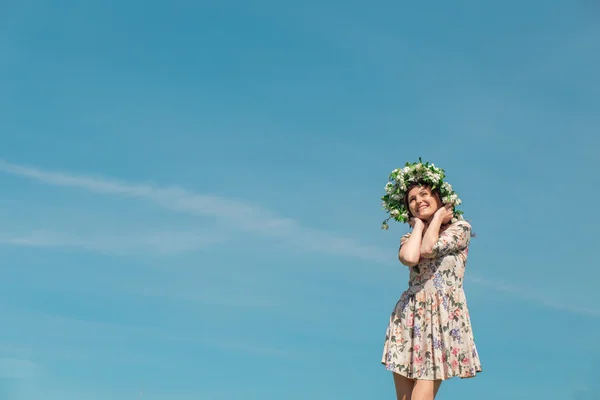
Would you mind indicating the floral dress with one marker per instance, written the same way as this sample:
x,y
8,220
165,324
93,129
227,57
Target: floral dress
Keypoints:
x,y
429,334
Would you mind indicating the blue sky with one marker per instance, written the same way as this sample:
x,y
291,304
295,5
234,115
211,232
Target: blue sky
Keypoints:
x,y
191,193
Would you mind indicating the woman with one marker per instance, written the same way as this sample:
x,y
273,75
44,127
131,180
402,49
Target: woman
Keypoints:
x,y
429,337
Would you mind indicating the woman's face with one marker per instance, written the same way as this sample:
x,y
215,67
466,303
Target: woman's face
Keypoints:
x,y
422,203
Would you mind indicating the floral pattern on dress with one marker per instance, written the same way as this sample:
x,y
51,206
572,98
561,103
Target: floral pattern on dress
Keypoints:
x,y
429,335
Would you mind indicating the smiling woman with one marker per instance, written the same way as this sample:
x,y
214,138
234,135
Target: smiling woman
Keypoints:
x,y
429,337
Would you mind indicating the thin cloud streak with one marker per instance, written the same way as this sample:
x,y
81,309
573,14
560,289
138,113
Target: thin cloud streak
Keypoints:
x,y
535,297
15,368
66,327
174,198
158,243
234,213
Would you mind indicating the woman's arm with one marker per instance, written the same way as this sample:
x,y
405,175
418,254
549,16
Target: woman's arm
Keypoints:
x,y
454,239
431,236
409,253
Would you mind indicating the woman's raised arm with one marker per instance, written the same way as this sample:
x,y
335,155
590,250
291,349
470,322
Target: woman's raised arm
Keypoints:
x,y
409,253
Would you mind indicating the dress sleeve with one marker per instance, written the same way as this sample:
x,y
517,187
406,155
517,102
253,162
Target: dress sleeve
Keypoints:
x,y
453,240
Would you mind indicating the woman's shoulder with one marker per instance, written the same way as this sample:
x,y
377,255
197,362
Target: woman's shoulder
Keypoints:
x,y
460,224
460,227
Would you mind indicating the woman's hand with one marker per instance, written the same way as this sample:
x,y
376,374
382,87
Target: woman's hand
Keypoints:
x,y
444,214
416,222
441,216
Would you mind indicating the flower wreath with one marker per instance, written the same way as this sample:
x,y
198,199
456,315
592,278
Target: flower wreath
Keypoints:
x,y
401,179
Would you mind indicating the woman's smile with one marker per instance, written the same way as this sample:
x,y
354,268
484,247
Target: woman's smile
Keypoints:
x,y
422,207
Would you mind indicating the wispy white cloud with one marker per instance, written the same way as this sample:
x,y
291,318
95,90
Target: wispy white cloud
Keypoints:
x,y
15,368
174,198
158,243
204,293
235,214
63,331
534,297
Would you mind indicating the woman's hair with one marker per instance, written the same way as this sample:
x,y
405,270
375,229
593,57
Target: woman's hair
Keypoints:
x,y
435,192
